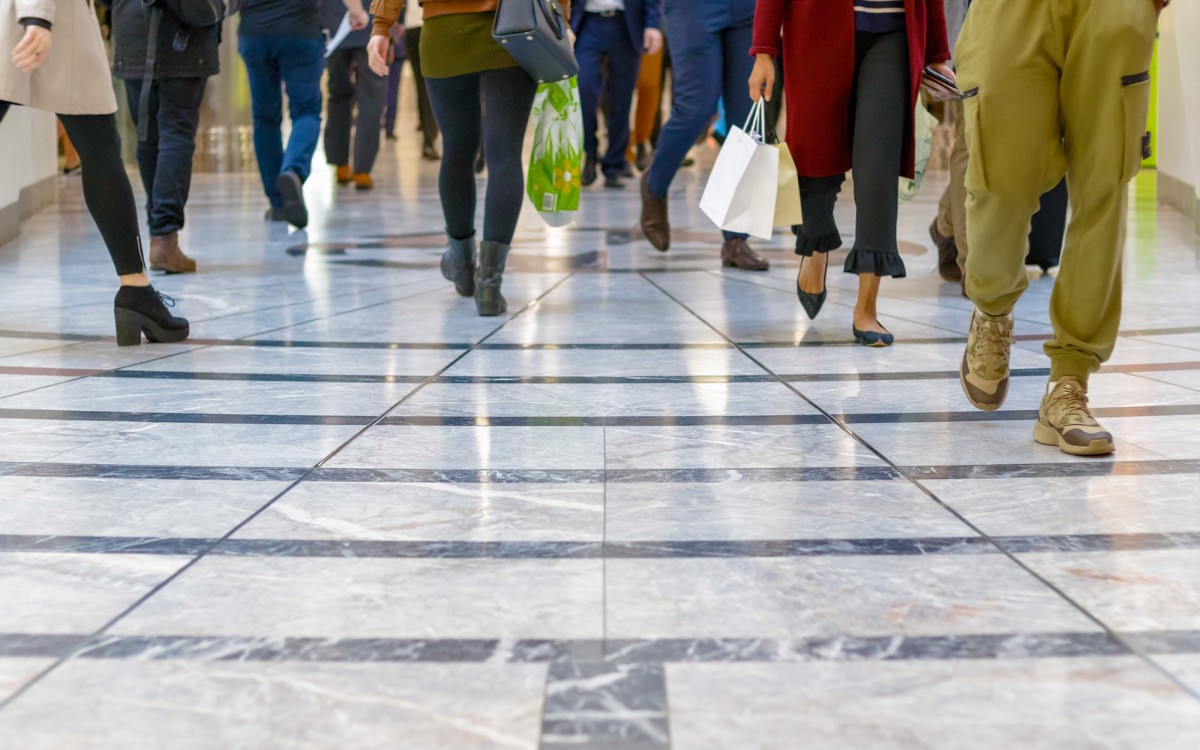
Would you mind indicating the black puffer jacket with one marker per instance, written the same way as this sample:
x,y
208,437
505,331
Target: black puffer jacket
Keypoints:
x,y
183,52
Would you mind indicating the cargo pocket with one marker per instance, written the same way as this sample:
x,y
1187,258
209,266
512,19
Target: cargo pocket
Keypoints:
x,y
1135,96
976,158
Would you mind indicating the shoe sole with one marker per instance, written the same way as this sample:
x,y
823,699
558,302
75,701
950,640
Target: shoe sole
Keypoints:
x,y
294,208
1044,434
731,264
962,381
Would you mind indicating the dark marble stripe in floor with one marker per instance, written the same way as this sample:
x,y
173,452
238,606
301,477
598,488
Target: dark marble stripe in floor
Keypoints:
x,y
1066,469
682,549
605,705
72,415
845,648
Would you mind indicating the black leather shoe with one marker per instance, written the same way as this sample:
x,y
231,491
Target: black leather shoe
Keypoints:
x,y
458,265
488,278
873,339
812,303
614,182
643,157
588,177
430,153
275,213
141,309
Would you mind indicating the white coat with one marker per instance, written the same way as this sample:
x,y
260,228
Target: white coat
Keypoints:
x,y
74,78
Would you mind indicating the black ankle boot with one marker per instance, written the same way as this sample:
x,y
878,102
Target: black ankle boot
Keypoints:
x,y
140,309
488,299
458,265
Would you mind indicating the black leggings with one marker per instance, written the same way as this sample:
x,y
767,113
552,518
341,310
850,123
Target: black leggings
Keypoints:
x,y
106,186
879,110
457,104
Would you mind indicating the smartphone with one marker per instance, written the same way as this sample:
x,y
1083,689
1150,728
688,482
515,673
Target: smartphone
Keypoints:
x,y
939,85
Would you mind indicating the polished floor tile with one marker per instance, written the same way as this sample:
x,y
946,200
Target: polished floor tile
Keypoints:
x,y
654,506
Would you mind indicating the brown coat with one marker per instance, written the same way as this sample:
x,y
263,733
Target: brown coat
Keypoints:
x,y
387,12
74,78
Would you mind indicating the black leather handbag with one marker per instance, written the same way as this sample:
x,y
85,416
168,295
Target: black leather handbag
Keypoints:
x,y
535,33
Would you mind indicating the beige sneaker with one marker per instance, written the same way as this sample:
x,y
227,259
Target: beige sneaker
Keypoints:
x,y
984,372
1065,420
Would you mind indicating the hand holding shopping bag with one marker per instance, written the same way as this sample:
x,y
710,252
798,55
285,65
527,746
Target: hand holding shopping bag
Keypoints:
x,y
557,159
743,191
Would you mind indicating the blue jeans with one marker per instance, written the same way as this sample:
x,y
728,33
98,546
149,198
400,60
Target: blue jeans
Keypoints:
x,y
296,63
710,55
602,37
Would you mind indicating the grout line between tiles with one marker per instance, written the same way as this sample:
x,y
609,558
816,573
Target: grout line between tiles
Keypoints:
x,y
16,695
1112,632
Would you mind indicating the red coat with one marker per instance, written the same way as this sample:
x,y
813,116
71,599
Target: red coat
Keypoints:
x,y
818,63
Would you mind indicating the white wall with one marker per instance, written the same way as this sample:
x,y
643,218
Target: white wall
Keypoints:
x,y
28,160
1179,102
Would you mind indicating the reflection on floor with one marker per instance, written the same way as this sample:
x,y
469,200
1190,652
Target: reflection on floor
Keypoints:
x,y
653,507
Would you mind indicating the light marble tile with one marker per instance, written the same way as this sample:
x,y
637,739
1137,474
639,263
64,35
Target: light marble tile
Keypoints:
x,y
420,447
1185,667
97,355
1075,505
1170,437
1085,703
378,598
13,385
16,672
308,361
435,512
72,506
605,363
65,593
172,444
908,358
43,439
1129,590
984,443
774,510
827,596
770,446
224,705
632,400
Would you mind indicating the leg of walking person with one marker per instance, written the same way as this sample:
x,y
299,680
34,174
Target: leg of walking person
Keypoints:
x,y
880,109
457,104
392,97
623,63
429,124
266,104
147,148
695,37
301,63
370,90
589,51
109,196
340,113
818,235
735,71
509,94
178,120
949,229
1048,228
649,102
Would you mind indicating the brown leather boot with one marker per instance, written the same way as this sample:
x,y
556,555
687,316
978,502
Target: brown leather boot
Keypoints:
x,y
947,254
655,224
735,253
165,255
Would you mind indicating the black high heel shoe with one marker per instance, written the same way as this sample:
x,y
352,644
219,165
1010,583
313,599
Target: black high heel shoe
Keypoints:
x,y
141,309
873,339
812,303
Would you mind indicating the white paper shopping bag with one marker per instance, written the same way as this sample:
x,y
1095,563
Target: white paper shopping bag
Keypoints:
x,y
741,191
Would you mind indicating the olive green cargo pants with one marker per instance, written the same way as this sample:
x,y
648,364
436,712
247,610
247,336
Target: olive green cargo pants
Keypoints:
x,y
1054,87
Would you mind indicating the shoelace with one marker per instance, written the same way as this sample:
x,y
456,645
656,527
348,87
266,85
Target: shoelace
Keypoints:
x,y
1073,401
992,344
166,299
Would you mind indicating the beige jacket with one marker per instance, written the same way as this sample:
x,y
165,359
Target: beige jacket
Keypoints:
x,y
74,79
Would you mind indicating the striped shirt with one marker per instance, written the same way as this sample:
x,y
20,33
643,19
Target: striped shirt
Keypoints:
x,y
879,16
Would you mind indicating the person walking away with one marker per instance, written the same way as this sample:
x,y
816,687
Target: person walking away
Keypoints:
x,y
710,40
176,65
646,114
397,52
351,84
856,78
283,48
1052,88
615,32
56,61
464,68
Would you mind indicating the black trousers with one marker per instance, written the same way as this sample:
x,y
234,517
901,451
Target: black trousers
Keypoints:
x,y
165,157
106,187
879,110
429,126
351,82
457,102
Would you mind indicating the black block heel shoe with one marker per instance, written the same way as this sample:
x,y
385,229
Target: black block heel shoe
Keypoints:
x,y
140,309
873,339
812,303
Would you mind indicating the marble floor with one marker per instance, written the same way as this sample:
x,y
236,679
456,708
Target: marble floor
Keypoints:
x,y
652,507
